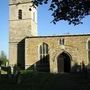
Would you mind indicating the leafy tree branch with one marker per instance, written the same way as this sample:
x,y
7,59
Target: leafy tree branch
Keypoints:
x,y
72,11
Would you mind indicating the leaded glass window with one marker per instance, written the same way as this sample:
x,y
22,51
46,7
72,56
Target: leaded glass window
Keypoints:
x,y
43,50
43,64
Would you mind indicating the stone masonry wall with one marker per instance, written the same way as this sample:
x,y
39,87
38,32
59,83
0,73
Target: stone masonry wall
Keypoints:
x,y
20,28
74,45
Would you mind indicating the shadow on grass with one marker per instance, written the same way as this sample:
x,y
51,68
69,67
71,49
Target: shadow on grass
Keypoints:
x,y
45,81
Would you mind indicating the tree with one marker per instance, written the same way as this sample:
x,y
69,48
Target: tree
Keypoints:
x,y
72,11
3,59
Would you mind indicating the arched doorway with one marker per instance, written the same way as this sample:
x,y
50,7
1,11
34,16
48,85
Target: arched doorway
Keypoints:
x,y
64,62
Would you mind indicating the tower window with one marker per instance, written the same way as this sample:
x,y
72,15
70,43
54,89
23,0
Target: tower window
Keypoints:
x,y
20,14
62,41
33,16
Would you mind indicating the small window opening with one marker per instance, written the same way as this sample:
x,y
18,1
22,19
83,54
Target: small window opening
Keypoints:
x,y
62,41
20,14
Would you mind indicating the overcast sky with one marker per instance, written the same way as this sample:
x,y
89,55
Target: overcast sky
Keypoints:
x,y
44,25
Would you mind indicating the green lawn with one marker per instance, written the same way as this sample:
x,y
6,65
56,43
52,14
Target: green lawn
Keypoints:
x,y
45,81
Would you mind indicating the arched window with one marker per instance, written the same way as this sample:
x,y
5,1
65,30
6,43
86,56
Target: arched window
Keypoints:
x,y
43,50
89,50
43,64
20,14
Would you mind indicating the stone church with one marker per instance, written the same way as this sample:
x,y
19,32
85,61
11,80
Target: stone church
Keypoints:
x,y
42,53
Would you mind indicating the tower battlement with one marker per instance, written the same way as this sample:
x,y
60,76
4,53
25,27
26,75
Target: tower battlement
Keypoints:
x,y
19,1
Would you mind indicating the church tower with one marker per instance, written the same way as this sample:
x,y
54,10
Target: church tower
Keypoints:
x,y
23,23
